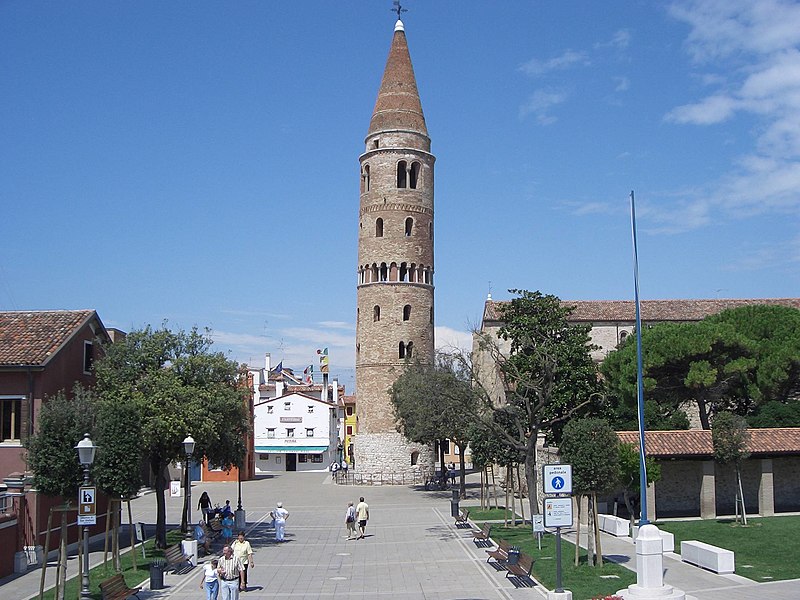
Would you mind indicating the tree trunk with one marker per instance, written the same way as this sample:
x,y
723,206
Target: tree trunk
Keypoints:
x,y
494,487
132,534
741,494
521,497
702,410
158,467
462,467
441,460
590,543
61,577
483,484
599,553
531,477
505,508
631,509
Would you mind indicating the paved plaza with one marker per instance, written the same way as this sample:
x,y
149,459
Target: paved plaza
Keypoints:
x,y
412,550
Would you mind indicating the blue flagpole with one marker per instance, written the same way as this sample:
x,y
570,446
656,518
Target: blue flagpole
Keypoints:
x,y
639,383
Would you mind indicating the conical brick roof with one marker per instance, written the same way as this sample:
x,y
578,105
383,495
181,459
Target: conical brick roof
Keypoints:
x,y
398,105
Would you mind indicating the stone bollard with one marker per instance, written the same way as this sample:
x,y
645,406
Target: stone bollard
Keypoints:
x,y
649,570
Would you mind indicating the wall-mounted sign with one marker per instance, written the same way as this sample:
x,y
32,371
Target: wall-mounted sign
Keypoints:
x,y
291,419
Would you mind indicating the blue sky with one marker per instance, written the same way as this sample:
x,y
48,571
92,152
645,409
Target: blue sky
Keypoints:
x,y
197,162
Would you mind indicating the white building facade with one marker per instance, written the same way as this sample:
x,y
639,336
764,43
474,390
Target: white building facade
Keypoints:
x,y
295,432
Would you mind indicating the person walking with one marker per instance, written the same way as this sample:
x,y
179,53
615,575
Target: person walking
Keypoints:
x,y
204,505
244,552
230,575
350,521
362,515
210,580
281,514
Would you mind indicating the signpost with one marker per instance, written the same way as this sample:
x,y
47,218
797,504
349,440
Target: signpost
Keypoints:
x,y
87,506
557,479
538,529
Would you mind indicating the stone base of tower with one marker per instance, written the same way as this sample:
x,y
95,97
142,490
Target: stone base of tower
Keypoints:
x,y
391,453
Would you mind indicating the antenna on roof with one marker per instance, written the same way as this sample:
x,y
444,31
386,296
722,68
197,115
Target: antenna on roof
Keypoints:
x,y
397,8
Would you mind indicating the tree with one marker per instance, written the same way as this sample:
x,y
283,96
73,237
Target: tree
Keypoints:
x,y
53,459
730,438
591,446
630,476
175,386
433,402
704,363
546,371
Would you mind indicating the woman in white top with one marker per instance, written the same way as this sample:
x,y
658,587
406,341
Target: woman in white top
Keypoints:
x,y
210,582
350,520
281,514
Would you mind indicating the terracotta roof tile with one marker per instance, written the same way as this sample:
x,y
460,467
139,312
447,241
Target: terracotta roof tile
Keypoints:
x,y
652,310
697,442
32,337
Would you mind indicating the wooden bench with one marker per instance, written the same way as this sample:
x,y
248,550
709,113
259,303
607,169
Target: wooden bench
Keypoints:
x,y
707,556
175,557
115,588
499,555
463,518
481,536
521,569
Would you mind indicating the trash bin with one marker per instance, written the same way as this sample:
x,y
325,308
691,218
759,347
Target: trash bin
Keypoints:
x,y
157,574
454,504
513,555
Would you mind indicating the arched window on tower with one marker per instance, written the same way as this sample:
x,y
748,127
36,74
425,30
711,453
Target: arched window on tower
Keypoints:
x,y
402,174
430,230
409,226
406,312
378,227
384,274
413,175
403,272
409,349
401,350
376,313
365,179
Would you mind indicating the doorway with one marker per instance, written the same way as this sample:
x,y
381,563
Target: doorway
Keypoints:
x,y
291,462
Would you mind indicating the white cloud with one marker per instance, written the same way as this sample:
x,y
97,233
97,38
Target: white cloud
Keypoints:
x,y
620,40
540,102
622,84
713,109
535,67
449,339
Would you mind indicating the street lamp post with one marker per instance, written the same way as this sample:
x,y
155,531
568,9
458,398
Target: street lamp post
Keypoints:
x,y
188,448
86,450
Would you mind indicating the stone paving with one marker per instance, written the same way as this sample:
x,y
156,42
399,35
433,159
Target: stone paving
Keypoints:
x,y
412,550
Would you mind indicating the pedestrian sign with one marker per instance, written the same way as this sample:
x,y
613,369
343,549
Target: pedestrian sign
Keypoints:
x,y
557,479
87,505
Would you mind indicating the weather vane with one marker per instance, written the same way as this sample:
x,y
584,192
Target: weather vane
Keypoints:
x,y
397,8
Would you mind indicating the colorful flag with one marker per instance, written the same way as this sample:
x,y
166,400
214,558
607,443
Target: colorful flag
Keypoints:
x,y
308,374
323,360
278,369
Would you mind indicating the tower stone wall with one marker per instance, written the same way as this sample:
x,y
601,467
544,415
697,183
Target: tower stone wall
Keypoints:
x,y
395,307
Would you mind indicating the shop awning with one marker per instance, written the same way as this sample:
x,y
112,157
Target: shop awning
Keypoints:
x,y
287,449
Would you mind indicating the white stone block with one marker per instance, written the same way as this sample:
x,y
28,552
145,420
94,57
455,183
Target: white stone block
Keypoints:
x,y
667,539
707,556
616,526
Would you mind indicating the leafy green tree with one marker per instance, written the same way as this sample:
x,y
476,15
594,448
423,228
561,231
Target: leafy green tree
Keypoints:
x,y
776,414
630,479
547,373
702,363
730,438
433,402
174,385
591,446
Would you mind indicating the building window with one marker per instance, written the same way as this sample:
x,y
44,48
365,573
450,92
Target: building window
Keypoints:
x,y
311,408
349,411
10,419
263,457
270,410
287,406
402,174
413,175
409,226
349,430
88,357
409,349
414,457
378,227
290,432
366,179
376,313
309,432
302,458
316,458
622,336
401,349
271,433
406,312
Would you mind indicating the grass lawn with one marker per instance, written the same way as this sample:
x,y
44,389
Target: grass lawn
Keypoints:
x,y
583,581
765,550
101,572
491,514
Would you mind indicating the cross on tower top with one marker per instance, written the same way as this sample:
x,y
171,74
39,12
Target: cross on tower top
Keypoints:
x,y
397,8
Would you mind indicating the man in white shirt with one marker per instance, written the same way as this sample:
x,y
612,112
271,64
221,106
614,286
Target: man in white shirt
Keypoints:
x,y
362,515
230,571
